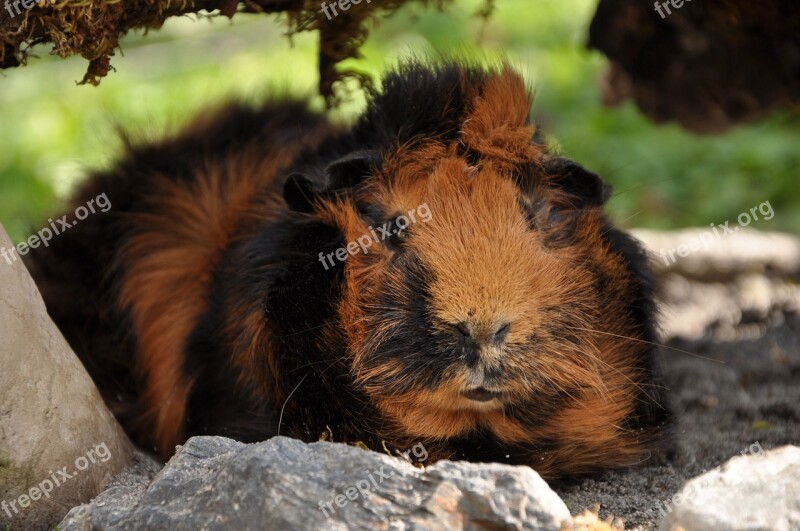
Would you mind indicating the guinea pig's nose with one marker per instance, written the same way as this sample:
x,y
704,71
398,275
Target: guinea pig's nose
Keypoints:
x,y
500,333
482,335
463,329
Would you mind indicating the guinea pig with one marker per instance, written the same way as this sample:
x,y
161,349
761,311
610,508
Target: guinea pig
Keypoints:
x,y
430,275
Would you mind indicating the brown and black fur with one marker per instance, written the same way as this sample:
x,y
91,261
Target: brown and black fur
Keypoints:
x,y
200,306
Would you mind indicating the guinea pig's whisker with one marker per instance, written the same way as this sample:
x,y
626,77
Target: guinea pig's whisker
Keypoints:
x,y
280,418
382,308
557,385
641,185
306,330
566,366
312,364
623,429
620,222
601,387
635,384
647,342
333,321
648,454
596,358
631,163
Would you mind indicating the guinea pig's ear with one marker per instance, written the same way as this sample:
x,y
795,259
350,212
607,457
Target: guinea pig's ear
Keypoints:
x,y
299,192
587,188
348,171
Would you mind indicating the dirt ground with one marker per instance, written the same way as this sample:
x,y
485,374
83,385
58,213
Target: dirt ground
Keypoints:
x,y
728,396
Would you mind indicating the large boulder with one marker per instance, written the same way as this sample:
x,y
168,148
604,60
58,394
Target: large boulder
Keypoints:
x,y
59,444
217,483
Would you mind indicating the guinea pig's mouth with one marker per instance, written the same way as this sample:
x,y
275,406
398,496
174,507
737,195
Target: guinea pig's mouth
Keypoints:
x,y
481,394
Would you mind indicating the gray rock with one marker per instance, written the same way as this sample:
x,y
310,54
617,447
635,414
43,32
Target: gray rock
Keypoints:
x,y
124,491
714,256
725,289
59,444
760,491
217,483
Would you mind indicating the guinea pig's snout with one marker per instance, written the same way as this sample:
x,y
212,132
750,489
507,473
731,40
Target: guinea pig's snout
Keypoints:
x,y
478,341
478,335
481,346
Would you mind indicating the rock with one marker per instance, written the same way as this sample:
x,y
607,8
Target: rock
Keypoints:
x,y
59,444
750,492
709,256
731,289
124,491
217,483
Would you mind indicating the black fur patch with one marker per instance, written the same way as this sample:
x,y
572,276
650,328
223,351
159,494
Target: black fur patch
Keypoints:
x,y
653,409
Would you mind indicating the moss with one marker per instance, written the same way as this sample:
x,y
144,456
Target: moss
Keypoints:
x,y
707,65
93,29
14,480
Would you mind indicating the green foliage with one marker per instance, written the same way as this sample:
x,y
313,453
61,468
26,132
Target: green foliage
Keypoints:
x,y
52,132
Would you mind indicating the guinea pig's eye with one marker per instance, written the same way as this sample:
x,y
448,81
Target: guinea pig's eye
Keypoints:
x,y
555,215
542,215
398,231
555,222
558,225
398,238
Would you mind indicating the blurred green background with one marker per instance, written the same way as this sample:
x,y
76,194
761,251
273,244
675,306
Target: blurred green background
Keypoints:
x,y
52,132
